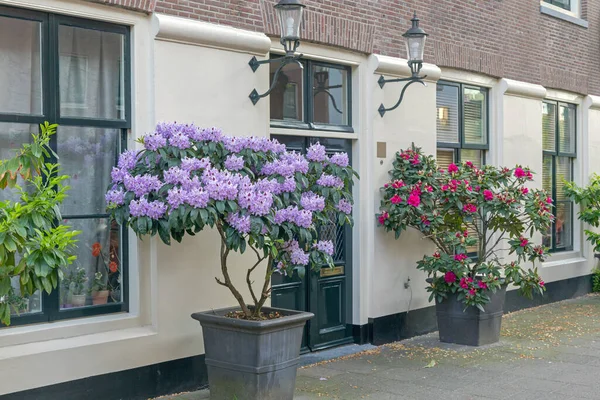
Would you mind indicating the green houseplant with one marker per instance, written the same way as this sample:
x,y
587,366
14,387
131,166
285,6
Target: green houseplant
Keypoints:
x,y
78,279
469,213
33,248
257,198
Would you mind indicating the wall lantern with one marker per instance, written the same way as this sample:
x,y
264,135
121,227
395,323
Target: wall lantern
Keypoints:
x,y
415,46
289,13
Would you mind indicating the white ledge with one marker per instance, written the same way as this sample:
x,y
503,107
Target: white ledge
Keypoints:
x,y
592,102
522,89
182,30
385,65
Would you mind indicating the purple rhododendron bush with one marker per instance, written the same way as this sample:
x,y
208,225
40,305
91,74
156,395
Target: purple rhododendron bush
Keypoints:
x,y
471,214
258,196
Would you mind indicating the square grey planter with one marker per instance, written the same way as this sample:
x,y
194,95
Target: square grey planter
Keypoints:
x,y
470,327
251,360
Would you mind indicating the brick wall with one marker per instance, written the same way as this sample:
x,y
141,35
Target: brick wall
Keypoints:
x,y
502,38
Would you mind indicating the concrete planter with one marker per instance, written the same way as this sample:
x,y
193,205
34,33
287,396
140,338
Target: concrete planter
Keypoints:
x,y
250,360
470,327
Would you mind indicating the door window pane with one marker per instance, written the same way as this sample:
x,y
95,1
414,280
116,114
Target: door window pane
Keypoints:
x,y
566,129
447,113
91,65
475,115
20,63
549,126
87,155
287,97
95,277
330,90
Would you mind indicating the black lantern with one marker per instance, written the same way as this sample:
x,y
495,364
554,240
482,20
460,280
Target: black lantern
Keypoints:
x,y
415,47
289,13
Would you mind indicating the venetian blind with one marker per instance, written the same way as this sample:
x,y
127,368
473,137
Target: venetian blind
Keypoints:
x,y
447,113
566,129
563,173
549,126
444,158
475,123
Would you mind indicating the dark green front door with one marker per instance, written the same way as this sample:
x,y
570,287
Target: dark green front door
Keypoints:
x,y
327,293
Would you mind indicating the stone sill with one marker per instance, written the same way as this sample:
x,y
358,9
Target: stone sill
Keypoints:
x,y
553,12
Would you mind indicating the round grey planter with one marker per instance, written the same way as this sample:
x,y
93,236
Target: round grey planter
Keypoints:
x,y
252,360
470,326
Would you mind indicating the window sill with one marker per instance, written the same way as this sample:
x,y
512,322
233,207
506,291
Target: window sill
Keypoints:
x,y
29,334
563,258
564,15
32,349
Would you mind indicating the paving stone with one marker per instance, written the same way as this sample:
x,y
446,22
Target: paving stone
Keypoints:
x,y
547,353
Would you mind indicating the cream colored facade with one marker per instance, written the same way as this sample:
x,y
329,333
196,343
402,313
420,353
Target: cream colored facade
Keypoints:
x,y
191,71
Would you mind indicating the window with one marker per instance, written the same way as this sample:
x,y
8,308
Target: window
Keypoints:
x,y
314,96
75,73
564,4
462,126
559,141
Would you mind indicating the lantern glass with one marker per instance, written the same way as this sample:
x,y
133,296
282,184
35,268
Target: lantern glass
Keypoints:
x,y
415,47
290,18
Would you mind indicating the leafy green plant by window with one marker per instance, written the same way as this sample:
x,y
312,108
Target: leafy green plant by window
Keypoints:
x,y
588,198
33,248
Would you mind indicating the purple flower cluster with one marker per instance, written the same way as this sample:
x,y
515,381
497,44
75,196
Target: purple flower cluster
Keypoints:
x,y
141,185
154,141
234,163
115,197
301,218
316,153
118,175
195,197
193,164
297,255
180,140
127,160
296,160
344,206
312,201
221,185
326,246
237,144
330,181
340,159
240,223
143,208
176,176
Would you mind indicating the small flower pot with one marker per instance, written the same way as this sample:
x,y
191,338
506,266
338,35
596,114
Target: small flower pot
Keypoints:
x,y
78,300
470,326
250,360
99,297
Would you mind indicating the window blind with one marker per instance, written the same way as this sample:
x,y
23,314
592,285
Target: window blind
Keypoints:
x,y
447,113
475,116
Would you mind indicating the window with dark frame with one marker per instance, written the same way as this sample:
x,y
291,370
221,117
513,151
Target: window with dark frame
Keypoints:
x,y
559,127
317,96
462,126
76,73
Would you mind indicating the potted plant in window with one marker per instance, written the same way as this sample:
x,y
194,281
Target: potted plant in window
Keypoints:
x,y
18,304
33,248
100,285
468,213
257,198
78,279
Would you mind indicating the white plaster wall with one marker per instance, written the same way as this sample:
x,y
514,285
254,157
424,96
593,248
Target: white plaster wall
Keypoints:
x,y
394,261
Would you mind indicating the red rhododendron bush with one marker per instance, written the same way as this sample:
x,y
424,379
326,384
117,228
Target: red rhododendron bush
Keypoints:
x,y
471,214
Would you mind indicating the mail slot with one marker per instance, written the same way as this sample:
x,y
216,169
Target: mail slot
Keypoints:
x,y
337,270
